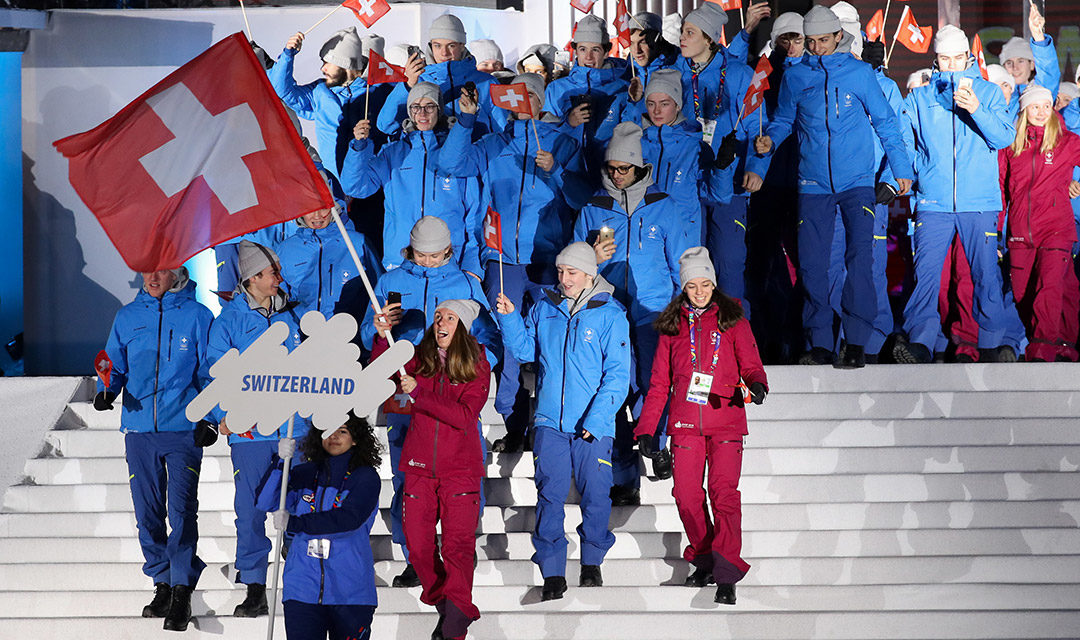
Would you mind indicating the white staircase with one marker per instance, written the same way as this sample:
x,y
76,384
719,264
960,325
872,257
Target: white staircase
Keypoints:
x,y
937,501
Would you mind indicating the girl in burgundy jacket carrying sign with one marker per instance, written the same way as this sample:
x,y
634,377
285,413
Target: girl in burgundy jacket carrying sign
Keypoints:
x,y
706,356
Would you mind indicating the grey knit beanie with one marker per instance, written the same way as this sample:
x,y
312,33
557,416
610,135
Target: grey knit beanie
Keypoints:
x,y
373,42
447,27
591,29
580,256
790,22
1035,93
625,144
710,18
696,263
429,234
534,83
538,54
254,258
1016,48
424,90
668,82
344,49
484,50
466,310
646,20
819,21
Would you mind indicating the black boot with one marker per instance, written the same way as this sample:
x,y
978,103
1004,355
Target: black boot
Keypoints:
x,y
437,633
854,358
512,442
179,609
699,578
554,588
624,496
907,352
159,606
254,605
817,355
661,464
725,594
407,578
590,576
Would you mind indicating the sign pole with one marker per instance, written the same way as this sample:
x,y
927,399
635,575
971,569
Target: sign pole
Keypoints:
x,y
280,536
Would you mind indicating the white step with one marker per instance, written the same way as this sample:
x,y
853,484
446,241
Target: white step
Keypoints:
x,y
992,377
756,461
891,405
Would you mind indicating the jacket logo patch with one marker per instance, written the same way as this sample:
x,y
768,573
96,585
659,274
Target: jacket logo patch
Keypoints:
x,y
446,184
185,343
308,497
588,335
414,463
1049,158
678,177
654,231
847,100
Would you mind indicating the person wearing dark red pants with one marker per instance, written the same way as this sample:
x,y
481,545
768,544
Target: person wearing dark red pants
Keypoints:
x,y
705,356
1035,175
448,380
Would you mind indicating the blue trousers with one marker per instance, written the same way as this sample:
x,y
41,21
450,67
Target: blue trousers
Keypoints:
x,y
858,302
305,621
163,471
511,401
725,238
397,426
250,461
625,471
559,455
934,231
883,322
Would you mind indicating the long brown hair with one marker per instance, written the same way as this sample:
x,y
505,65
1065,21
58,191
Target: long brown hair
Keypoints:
x,y
1051,134
669,322
461,356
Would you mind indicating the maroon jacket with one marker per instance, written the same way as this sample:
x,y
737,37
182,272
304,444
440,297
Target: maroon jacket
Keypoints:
x,y
1035,188
724,414
444,436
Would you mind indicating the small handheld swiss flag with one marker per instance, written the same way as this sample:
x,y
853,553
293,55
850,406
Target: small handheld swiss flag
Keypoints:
x,y
103,367
622,24
583,6
195,161
875,28
759,84
379,70
980,56
911,35
512,97
728,5
367,11
493,230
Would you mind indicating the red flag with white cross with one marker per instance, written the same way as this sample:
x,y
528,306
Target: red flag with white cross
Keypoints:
x,y
195,161
622,24
367,11
584,6
512,97
980,56
875,28
759,84
103,367
493,230
379,70
911,35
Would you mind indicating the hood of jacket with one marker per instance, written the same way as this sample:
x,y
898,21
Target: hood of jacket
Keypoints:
x,y
600,292
631,196
444,124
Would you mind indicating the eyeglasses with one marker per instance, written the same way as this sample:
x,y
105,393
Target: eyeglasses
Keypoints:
x,y
622,171
428,109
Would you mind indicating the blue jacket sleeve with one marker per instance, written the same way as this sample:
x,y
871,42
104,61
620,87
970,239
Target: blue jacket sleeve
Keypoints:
x,y
202,374
676,243
363,173
393,110
886,125
518,335
474,220
458,156
362,501
298,98
783,120
615,377
116,349
218,342
1047,71
268,495
995,125
896,101
740,45
367,327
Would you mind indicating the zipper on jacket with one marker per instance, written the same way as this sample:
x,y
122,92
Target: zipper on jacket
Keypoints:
x,y
1031,186
828,129
423,172
157,359
660,160
521,196
318,296
438,423
566,347
953,121
169,350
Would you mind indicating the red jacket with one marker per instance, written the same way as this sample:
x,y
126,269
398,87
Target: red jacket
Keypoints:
x,y
724,414
1035,188
444,437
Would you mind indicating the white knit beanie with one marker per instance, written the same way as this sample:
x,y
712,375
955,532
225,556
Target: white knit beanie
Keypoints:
x,y
344,49
789,22
484,50
1034,94
672,30
466,310
1016,48
951,40
999,74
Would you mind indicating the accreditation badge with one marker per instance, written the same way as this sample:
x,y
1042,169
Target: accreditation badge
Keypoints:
x,y
708,130
318,548
700,386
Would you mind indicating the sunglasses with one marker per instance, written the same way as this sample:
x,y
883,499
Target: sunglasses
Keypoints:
x,y
622,171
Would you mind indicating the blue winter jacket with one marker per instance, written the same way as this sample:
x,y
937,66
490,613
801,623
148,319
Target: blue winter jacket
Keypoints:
x,y
896,102
236,327
335,110
316,264
956,153
451,77
721,87
644,73
422,289
651,235
158,348
533,205
408,172
602,86
1047,68
826,100
583,351
330,503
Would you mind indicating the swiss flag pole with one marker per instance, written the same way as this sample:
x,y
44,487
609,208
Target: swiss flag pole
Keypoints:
x,y
194,162
493,238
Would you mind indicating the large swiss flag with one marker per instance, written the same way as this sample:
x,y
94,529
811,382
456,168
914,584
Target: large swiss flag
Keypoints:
x,y
203,156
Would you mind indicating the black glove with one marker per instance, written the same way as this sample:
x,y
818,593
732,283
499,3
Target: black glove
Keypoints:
x,y
725,155
885,193
758,393
873,53
205,434
103,400
646,446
